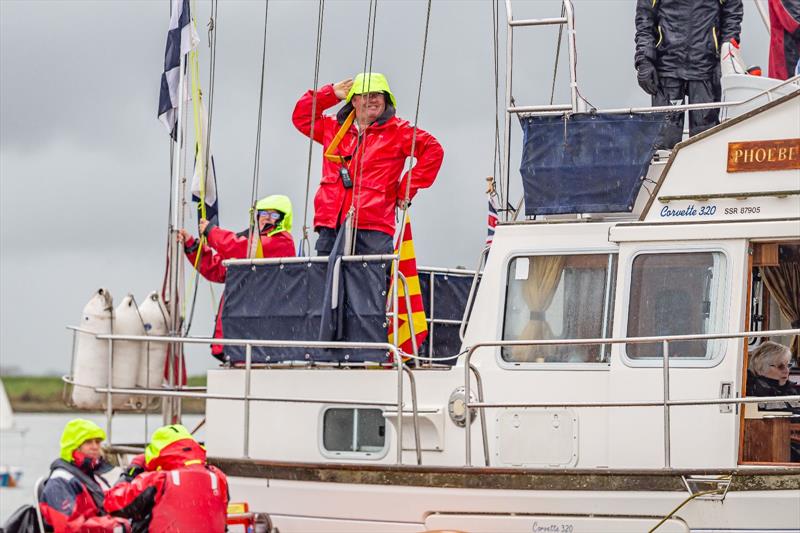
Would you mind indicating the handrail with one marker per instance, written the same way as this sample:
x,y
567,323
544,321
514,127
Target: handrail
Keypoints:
x,y
311,259
412,381
472,290
560,109
666,402
482,414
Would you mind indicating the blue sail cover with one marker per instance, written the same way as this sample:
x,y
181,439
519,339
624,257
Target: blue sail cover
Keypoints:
x,y
285,302
586,163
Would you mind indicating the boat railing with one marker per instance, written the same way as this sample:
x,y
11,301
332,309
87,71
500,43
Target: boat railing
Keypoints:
x,y
665,403
539,110
403,369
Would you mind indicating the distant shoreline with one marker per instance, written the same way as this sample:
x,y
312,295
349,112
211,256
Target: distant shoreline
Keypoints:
x,y
44,394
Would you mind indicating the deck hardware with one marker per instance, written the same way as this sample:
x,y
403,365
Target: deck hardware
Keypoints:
x,y
716,486
726,391
456,410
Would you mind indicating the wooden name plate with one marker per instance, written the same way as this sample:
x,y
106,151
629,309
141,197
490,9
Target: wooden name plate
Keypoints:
x,y
779,154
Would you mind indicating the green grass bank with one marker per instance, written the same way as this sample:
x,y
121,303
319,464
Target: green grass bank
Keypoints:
x,y
44,394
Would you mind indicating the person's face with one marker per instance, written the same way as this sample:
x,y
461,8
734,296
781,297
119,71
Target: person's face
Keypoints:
x,y
779,369
267,218
369,106
91,448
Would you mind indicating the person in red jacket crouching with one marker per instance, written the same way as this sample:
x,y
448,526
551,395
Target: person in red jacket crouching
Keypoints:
x,y
171,488
366,147
73,497
274,216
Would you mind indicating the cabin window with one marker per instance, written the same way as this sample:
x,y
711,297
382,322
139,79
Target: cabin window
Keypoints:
x,y
559,297
676,294
346,430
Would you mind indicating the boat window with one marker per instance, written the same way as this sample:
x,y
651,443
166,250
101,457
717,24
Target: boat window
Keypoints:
x,y
676,294
353,430
559,297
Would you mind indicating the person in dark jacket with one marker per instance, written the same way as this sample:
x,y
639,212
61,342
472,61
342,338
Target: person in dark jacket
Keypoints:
x,y
784,38
363,167
677,56
73,496
274,218
768,375
171,488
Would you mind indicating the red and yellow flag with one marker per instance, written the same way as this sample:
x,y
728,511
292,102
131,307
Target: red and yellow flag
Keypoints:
x,y
408,267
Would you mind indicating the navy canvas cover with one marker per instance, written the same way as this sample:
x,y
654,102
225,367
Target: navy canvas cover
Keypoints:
x,y
285,302
450,293
586,163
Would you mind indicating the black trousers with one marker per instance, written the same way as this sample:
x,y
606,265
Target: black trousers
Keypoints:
x,y
674,91
368,242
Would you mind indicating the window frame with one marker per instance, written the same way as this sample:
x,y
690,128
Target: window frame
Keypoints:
x,y
723,304
564,366
334,454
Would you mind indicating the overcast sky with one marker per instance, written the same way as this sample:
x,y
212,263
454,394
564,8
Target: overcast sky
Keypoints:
x,y
84,162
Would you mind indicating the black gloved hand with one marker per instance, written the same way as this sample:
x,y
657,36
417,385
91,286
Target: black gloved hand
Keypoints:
x,y
647,77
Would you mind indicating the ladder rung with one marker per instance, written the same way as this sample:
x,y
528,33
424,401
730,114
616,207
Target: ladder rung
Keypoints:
x,y
538,22
538,108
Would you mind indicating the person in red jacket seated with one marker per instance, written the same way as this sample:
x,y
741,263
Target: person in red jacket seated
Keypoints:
x,y
362,167
73,497
274,215
170,487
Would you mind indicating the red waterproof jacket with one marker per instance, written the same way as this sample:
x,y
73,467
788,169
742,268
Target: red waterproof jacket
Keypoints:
x,y
784,38
376,165
223,244
179,492
72,501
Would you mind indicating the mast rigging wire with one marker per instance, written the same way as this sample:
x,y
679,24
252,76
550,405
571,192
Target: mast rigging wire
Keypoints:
x,y
369,50
253,227
305,245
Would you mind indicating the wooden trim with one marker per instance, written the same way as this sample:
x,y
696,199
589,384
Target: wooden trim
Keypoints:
x,y
658,480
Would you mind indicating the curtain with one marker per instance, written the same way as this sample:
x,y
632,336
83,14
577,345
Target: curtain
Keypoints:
x,y
544,276
783,283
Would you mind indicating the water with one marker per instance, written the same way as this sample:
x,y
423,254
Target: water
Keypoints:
x,y
34,450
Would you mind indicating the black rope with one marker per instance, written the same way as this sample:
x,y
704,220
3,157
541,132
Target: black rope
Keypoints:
x,y
558,53
257,158
496,59
416,112
320,13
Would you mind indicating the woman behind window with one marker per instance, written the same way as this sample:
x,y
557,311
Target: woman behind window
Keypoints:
x,y
768,375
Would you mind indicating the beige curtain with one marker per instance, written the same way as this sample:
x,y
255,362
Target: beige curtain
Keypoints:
x,y
544,275
783,282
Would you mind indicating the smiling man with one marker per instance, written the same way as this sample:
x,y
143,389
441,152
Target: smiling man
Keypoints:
x,y
366,147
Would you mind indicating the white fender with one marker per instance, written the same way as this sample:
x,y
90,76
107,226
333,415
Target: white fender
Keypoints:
x,y
90,364
156,318
127,354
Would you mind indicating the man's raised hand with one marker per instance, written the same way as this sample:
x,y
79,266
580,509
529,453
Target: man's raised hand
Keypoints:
x,y
341,88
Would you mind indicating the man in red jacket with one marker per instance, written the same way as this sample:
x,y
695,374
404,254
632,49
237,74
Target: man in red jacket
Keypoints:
x,y
73,496
366,147
274,214
171,488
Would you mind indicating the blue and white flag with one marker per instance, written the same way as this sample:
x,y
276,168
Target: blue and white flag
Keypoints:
x,y
209,173
181,39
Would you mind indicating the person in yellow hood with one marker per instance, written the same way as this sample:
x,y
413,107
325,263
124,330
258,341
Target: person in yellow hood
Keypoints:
x,y
73,495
